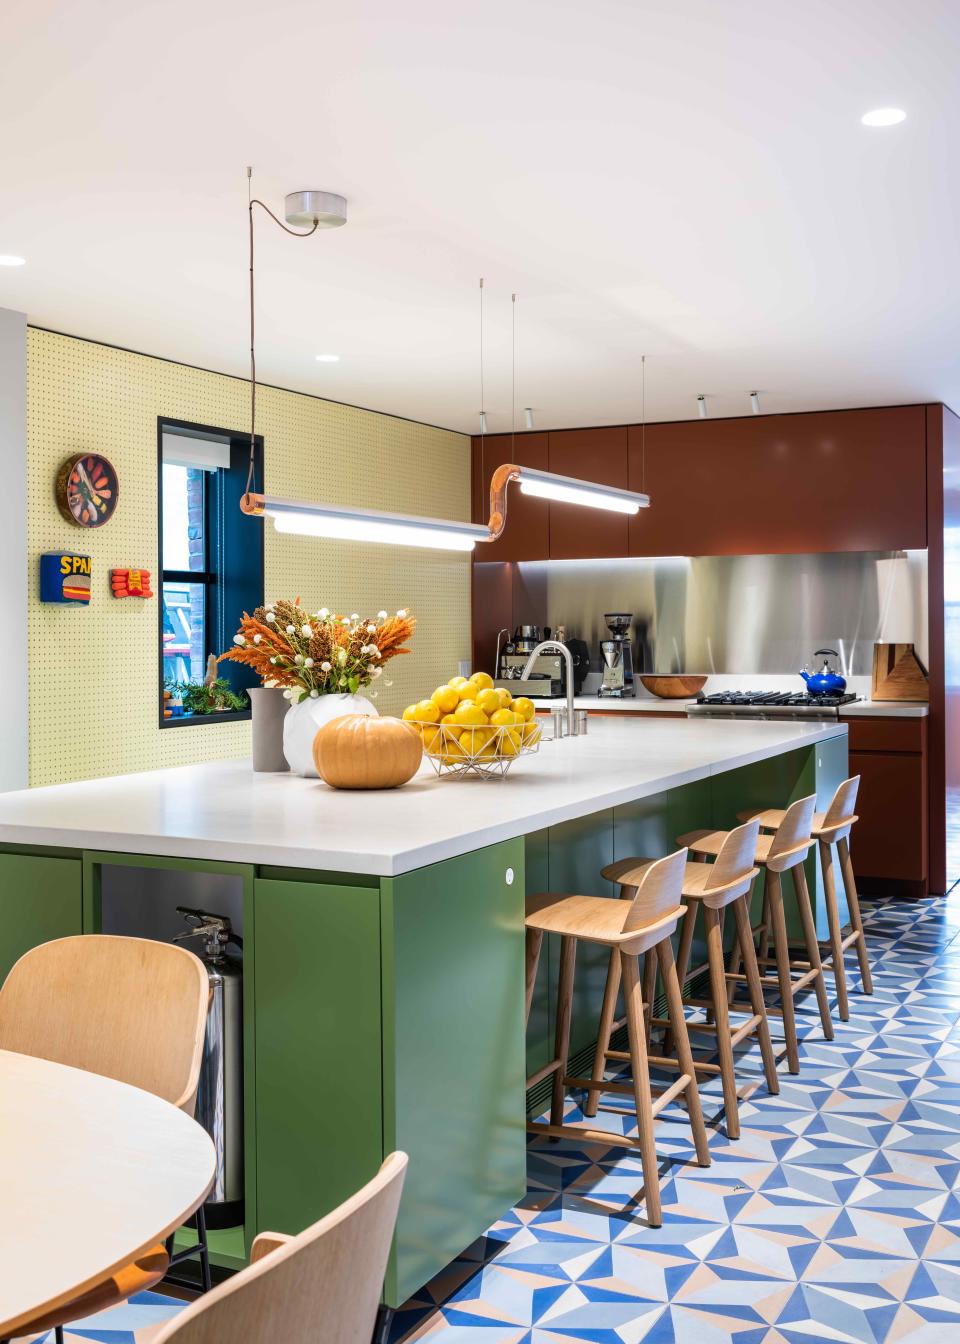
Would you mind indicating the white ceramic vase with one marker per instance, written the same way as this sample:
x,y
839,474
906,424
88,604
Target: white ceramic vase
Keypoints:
x,y
302,721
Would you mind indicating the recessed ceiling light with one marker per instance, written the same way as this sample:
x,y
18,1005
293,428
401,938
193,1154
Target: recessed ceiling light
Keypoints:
x,y
884,116
328,359
12,261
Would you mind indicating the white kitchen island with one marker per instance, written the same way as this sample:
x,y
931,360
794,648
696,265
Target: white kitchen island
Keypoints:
x,y
383,939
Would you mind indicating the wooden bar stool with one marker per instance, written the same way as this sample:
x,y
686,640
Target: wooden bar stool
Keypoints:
x,y
714,887
833,828
630,929
785,849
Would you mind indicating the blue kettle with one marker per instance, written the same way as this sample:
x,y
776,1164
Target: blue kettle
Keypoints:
x,y
826,681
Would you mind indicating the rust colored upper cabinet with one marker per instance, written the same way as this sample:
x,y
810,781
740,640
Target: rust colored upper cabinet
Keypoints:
x,y
527,533
782,484
591,455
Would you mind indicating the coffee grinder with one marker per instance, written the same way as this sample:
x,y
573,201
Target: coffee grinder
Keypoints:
x,y
617,656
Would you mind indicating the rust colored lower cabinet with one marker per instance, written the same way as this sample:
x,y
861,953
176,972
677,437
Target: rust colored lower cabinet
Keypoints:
x,y
889,843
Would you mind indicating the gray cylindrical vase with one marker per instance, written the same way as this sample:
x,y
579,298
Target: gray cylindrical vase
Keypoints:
x,y
268,708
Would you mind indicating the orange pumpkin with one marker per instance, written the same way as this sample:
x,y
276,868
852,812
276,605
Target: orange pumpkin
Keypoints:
x,y
358,751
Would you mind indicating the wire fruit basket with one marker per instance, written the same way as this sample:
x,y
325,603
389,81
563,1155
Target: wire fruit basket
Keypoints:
x,y
456,752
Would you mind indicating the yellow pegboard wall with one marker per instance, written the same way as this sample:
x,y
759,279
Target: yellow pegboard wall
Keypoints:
x,y
93,672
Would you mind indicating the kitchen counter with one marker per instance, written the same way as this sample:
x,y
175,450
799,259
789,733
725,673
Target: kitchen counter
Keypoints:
x,y
383,940
881,709
224,811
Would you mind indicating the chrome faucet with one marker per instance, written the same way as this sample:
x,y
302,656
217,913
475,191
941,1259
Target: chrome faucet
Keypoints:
x,y
554,646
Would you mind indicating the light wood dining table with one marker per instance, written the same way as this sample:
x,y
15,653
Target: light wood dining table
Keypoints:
x,y
93,1173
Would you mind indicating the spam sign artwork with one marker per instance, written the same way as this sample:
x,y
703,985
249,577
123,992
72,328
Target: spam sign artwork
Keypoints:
x,y
65,578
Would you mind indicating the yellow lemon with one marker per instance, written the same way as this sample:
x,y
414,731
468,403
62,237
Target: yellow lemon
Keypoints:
x,y
467,691
410,712
505,697
426,711
504,718
446,699
489,752
457,682
482,681
469,715
488,700
449,722
473,739
509,744
531,734
524,707
453,753
432,739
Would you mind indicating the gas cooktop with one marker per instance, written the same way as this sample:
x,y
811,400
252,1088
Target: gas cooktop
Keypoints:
x,y
797,699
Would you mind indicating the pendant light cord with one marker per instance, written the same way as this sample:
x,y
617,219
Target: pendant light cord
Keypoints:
x,y
294,233
513,385
643,424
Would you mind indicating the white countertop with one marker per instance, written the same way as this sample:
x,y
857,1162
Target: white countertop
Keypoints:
x,y
224,811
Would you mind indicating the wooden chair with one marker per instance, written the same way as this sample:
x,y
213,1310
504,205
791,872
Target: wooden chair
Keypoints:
x,y
324,1284
782,851
713,887
833,828
126,1008
630,929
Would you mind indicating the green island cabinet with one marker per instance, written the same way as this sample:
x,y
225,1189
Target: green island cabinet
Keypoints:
x,y
387,1012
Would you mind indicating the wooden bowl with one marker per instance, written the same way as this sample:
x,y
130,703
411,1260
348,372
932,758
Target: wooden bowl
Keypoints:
x,y
673,685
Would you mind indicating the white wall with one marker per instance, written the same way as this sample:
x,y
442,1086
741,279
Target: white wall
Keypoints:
x,y
13,549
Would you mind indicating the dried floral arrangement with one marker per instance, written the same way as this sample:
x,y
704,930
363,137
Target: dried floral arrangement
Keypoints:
x,y
318,654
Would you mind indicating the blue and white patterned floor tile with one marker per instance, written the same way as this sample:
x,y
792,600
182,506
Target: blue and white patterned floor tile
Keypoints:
x,y
835,1217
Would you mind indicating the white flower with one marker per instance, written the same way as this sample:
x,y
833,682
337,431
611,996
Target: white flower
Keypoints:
x,y
274,661
314,695
375,652
298,658
342,656
388,683
354,617
376,672
271,618
344,620
306,631
324,667
323,613
308,662
291,630
257,639
239,639
288,693
270,606
270,682
371,629
402,613
381,615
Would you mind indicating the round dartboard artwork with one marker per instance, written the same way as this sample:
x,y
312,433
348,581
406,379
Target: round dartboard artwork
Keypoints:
x,y
87,490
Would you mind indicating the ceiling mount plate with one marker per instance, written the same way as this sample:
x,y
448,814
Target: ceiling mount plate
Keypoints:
x,y
325,208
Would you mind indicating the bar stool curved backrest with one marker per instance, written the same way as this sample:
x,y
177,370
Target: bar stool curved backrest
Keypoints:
x,y
733,872
841,814
658,892
126,1008
324,1284
791,841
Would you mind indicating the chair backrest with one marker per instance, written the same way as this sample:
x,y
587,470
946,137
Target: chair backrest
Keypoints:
x,y
324,1284
731,876
658,891
127,1008
841,814
791,841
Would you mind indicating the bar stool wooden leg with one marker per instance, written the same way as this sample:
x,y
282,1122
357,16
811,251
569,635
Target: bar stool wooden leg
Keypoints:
x,y
684,948
718,993
607,1013
853,904
633,1003
649,987
671,985
833,924
568,957
813,947
781,950
741,911
534,941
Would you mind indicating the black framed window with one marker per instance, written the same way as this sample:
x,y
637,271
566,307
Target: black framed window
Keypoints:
x,y
211,566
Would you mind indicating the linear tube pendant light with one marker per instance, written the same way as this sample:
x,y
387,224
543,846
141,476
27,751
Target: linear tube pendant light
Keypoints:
x,y
400,529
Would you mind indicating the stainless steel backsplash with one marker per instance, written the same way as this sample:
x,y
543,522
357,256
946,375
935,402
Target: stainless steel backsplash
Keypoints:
x,y
736,614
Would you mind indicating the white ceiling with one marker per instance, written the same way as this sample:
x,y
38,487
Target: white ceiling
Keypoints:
x,y
689,180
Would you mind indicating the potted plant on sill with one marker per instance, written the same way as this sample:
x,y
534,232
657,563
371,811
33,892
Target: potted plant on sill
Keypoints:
x,y
321,662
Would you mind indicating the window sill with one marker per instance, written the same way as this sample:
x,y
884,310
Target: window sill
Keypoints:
x,y
196,720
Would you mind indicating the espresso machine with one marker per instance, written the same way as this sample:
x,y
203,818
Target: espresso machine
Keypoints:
x,y
616,656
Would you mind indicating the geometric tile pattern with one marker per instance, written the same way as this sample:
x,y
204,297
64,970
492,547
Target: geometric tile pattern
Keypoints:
x,y
835,1216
